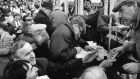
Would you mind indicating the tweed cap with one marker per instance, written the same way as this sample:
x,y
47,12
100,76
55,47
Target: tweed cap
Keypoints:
x,y
119,3
79,20
36,27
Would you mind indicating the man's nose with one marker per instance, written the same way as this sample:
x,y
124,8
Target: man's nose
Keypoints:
x,y
32,54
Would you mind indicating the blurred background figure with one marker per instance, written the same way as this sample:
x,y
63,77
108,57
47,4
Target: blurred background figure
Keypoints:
x,y
87,7
58,17
93,73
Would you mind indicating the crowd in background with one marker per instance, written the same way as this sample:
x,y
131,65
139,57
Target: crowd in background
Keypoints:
x,y
40,41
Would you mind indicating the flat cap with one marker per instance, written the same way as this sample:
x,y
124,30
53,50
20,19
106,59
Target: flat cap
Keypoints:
x,y
119,3
79,20
36,27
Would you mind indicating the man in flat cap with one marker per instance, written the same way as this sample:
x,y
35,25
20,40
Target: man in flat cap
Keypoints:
x,y
43,16
129,10
41,38
65,46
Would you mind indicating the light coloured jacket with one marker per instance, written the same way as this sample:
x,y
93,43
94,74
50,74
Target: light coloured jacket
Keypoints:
x,y
6,41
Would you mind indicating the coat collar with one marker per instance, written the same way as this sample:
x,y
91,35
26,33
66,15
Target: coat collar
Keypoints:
x,y
43,13
69,25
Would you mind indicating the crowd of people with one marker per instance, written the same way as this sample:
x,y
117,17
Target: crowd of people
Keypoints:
x,y
40,41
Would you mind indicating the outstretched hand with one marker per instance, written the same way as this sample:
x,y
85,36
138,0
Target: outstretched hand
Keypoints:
x,y
116,51
132,68
107,63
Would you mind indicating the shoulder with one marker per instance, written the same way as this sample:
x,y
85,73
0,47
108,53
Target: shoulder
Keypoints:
x,y
62,30
42,61
39,14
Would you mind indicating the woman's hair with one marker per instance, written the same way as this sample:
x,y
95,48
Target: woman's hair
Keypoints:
x,y
16,70
17,45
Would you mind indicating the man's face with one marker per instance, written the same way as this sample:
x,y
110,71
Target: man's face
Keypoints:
x,y
77,31
31,72
11,3
29,20
87,4
26,53
17,18
127,11
41,36
9,18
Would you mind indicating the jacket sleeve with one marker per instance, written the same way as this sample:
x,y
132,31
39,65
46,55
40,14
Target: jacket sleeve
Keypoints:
x,y
60,49
51,68
71,66
57,69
